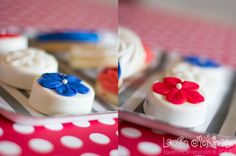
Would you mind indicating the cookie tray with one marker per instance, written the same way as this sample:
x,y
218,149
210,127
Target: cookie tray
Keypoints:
x,y
220,121
14,103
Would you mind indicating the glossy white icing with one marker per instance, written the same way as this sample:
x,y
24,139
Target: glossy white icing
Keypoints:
x,y
185,115
208,78
31,59
131,52
10,44
19,68
47,101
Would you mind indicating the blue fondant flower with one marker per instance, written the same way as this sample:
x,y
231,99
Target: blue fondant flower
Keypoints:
x,y
119,70
202,62
73,36
66,85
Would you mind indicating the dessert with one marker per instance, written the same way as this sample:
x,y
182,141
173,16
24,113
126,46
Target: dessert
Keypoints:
x,y
107,85
177,102
92,56
62,40
119,75
86,49
206,72
12,42
134,55
56,93
20,68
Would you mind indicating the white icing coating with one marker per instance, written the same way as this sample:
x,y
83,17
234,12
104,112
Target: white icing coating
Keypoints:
x,y
47,101
20,68
131,52
9,44
185,115
208,78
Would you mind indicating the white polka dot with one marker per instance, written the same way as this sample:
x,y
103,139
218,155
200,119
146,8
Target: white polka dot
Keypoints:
x,y
71,142
178,145
114,152
107,121
227,154
99,138
54,127
23,129
40,145
1,131
81,123
89,154
117,133
9,148
123,151
131,132
149,148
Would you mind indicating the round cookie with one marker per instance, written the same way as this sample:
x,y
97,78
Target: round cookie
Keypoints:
x,y
12,42
20,68
56,93
89,56
63,40
204,71
134,55
107,85
176,102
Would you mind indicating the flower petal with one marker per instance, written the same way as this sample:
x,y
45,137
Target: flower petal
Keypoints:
x,y
48,83
176,96
194,97
211,63
72,78
171,81
80,88
53,76
190,85
161,88
61,89
66,90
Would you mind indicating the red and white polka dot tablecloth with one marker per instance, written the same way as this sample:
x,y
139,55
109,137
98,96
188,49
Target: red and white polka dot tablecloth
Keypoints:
x,y
137,140
90,138
101,137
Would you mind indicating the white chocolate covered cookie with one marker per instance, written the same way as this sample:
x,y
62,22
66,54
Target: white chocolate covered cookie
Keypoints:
x,y
20,68
55,93
12,42
176,102
132,55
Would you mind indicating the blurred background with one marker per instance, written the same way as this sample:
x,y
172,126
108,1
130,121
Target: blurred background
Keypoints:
x,y
218,10
58,14
204,27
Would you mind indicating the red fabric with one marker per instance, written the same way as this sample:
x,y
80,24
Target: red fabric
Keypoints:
x,y
58,15
132,143
108,79
187,91
54,137
172,32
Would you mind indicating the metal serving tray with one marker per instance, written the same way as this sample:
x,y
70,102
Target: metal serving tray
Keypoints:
x,y
14,102
221,117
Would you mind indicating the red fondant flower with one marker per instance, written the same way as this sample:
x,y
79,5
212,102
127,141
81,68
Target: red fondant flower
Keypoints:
x,y
109,79
178,92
